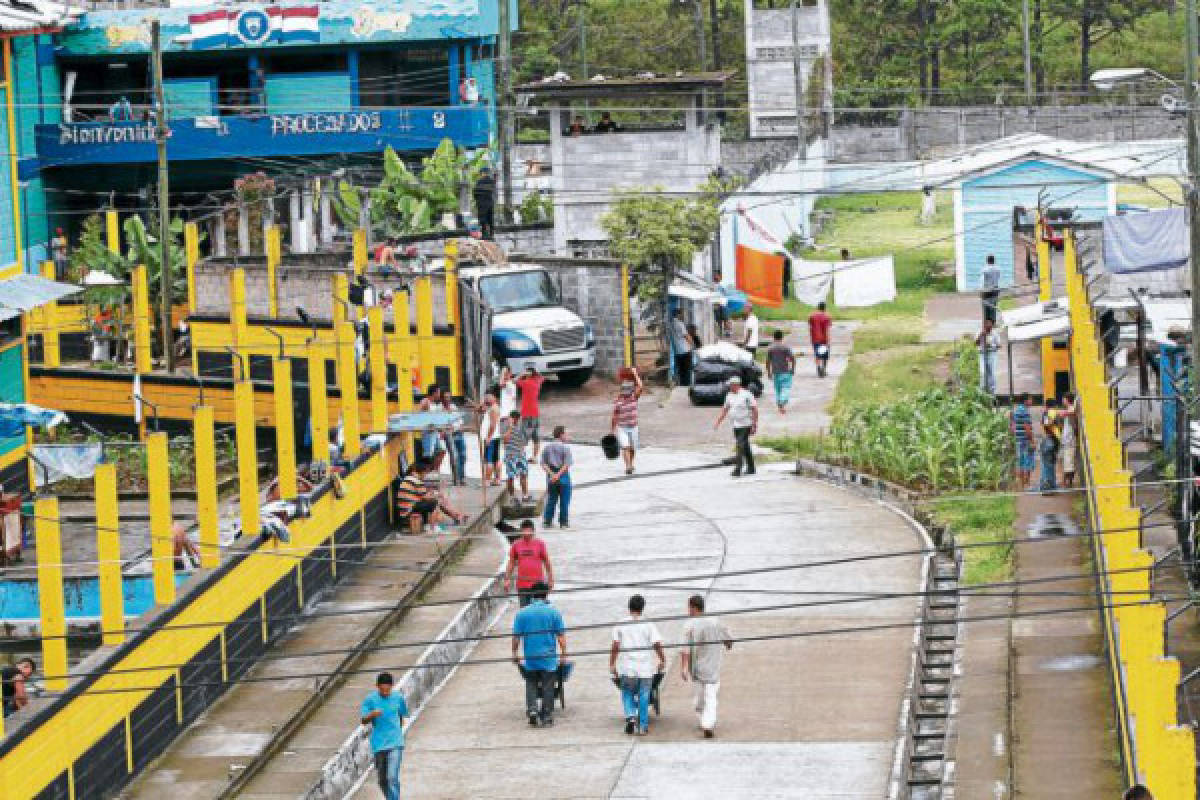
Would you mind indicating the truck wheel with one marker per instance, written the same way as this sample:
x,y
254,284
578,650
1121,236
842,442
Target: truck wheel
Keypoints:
x,y
574,377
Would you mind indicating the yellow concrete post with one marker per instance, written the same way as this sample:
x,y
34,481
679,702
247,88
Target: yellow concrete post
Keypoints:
x,y
285,428
206,485
142,363
112,231
50,592
379,394
360,251
191,254
318,402
425,331
341,300
51,354
402,351
158,479
1045,289
247,454
348,389
626,334
453,316
274,253
238,323
108,553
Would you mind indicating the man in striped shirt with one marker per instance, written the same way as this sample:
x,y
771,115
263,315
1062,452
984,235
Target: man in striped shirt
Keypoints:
x,y
625,418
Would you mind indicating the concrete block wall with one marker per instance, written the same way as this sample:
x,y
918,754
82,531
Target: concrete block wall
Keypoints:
x,y
594,293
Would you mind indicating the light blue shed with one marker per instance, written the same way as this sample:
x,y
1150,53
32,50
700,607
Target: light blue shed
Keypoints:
x,y
984,200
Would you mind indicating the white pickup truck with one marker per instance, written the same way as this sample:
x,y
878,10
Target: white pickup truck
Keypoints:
x,y
530,324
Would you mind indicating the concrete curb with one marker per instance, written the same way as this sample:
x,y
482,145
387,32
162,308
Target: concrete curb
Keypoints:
x,y
903,502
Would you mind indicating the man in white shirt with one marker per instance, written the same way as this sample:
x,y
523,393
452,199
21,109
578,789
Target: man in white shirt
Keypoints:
x,y
682,346
990,279
701,660
742,410
636,657
750,330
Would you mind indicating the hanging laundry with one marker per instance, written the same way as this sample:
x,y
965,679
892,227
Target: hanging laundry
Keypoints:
x,y
864,282
54,462
812,280
1145,241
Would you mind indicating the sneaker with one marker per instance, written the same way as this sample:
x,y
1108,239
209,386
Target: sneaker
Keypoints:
x,y
629,470
533,719
630,725
643,732
708,734
736,473
547,722
564,525
527,499
547,525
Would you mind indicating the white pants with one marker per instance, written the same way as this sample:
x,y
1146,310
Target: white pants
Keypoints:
x,y
706,704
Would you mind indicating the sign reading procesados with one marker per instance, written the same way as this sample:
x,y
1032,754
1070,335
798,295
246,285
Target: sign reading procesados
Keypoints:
x,y
316,123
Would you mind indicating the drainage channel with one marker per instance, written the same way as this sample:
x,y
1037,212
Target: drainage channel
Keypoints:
x,y
927,767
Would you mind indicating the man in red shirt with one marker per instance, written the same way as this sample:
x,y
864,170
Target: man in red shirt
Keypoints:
x,y
530,560
530,385
819,324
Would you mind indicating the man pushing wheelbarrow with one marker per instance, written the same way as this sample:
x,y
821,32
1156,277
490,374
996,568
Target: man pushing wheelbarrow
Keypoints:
x,y
637,663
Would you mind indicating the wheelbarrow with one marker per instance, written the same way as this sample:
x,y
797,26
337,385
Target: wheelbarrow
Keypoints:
x,y
655,683
565,669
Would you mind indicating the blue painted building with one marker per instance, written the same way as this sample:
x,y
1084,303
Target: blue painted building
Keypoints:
x,y
984,201
295,86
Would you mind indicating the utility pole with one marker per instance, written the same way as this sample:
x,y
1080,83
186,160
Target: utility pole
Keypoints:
x,y
506,109
1193,162
798,74
1028,58
164,212
698,12
716,34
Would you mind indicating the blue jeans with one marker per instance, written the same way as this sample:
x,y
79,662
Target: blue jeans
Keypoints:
x,y
387,770
460,455
1049,453
635,697
558,494
987,371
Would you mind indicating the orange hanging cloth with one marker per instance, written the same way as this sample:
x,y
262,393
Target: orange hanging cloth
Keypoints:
x,y
760,276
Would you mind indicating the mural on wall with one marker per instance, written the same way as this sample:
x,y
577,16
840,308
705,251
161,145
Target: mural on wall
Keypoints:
x,y
268,25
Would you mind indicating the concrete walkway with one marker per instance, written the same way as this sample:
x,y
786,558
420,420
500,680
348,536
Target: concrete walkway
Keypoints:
x,y
800,717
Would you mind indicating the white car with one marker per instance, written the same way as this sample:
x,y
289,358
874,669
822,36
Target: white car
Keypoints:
x,y
530,326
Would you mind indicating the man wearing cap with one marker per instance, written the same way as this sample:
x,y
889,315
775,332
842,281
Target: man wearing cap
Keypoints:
x,y
742,410
625,418
384,711
538,627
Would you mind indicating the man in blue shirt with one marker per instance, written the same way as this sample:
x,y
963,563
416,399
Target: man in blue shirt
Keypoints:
x,y
538,626
385,713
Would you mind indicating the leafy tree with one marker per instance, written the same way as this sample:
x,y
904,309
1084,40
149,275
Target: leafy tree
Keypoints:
x,y
658,234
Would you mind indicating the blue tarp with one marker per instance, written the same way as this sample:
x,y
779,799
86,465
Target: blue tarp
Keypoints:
x,y
15,416
1146,241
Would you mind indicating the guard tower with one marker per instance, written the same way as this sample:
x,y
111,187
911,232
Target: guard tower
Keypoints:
x,y
770,72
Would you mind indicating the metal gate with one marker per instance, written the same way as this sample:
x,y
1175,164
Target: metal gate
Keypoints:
x,y
476,319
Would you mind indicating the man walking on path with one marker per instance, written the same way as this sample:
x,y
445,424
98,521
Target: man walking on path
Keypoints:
x,y
1021,423
530,385
539,627
991,289
530,560
384,711
633,663
701,661
819,323
512,432
750,331
742,410
682,346
557,462
625,418
988,344
781,366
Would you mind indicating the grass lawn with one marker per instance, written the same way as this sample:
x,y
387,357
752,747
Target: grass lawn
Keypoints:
x,y
980,518
879,224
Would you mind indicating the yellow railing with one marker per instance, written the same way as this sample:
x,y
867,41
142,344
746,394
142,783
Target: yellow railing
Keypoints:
x,y
1155,749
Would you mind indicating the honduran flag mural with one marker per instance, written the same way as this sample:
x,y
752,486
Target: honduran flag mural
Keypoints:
x,y
227,27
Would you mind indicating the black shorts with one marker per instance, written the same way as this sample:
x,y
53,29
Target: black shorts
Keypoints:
x,y
423,508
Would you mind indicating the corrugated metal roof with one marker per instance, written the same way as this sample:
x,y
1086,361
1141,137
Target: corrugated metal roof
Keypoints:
x,y
31,15
25,292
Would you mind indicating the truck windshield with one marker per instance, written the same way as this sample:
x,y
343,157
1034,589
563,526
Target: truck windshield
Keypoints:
x,y
515,291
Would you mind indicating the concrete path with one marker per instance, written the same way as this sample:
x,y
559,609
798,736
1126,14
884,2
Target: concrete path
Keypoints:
x,y
800,717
